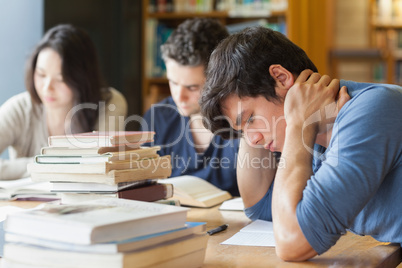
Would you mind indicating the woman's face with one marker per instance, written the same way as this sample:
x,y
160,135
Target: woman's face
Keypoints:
x,y
49,84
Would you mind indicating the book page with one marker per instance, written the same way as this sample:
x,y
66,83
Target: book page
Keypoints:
x,y
11,184
194,191
233,204
25,186
193,186
7,210
258,233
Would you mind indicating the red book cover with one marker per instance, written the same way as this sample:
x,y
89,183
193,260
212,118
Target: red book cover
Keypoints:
x,y
148,193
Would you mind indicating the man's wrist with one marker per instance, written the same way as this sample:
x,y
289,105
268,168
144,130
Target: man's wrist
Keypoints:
x,y
305,134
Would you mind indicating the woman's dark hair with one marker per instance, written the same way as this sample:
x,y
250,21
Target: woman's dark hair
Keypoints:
x,y
240,65
80,69
193,41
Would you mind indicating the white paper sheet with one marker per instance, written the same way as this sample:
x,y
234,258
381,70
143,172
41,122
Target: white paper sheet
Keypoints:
x,y
258,233
233,204
6,210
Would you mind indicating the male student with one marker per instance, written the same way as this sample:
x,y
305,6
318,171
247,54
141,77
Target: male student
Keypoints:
x,y
335,174
176,120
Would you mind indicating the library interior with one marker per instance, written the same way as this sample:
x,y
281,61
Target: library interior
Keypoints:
x,y
126,194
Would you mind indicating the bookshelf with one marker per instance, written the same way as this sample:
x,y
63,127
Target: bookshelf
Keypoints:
x,y
304,22
386,36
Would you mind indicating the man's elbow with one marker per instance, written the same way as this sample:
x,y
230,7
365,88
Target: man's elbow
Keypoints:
x,y
297,250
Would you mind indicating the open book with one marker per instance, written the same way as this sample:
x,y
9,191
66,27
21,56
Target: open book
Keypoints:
x,y
26,189
196,192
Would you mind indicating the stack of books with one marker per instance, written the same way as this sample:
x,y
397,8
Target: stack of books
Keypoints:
x,y
97,165
104,233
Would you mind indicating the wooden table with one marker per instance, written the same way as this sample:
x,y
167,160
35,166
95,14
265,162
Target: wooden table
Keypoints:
x,y
350,251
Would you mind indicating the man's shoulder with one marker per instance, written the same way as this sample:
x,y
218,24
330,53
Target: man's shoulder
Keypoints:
x,y
368,90
164,110
166,103
371,98
373,113
164,116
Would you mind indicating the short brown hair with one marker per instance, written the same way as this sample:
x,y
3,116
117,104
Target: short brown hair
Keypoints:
x,y
240,65
193,41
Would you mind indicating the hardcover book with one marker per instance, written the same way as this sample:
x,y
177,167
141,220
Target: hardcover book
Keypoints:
x,y
100,139
162,255
85,156
111,178
89,151
87,187
148,193
150,164
163,169
130,244
98,221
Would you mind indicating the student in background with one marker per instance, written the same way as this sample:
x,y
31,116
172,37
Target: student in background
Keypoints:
x,y
176,120
65,94
338,170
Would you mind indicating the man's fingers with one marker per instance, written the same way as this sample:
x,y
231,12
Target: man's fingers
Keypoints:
x,y
314,78
304,75
325,80
334,86
343,98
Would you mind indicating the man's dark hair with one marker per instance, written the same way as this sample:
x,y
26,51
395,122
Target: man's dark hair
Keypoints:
x,y
193,41
80,69
240,65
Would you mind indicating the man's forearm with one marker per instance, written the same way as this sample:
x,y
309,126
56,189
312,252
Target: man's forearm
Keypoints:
x,y
291,179
256,168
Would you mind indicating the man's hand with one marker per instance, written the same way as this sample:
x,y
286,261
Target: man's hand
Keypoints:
x,y
314,101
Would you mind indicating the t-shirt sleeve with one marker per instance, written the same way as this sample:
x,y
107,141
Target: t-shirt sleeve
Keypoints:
x,y
262,209
365,141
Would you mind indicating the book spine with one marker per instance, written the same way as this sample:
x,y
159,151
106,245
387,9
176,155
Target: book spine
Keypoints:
x,y
160,168
148,193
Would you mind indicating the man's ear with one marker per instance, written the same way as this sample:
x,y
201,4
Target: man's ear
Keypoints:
x,y
283,78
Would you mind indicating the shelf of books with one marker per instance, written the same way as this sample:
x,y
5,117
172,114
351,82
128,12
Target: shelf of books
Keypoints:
x,y
161,17
386,35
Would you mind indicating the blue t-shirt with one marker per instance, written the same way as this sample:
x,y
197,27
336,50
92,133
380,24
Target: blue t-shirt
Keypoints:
x,y
172,132
357,181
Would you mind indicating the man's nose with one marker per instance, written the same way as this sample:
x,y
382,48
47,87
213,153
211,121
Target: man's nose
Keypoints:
x,y
182,94
254,136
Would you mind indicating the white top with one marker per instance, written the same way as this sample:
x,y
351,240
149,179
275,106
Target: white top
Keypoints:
x,y
23,129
